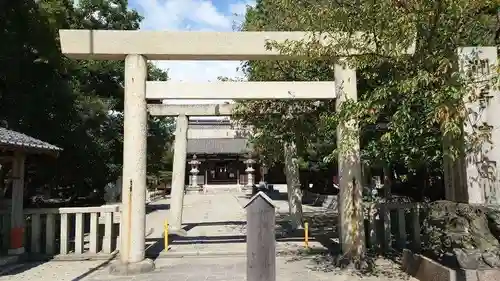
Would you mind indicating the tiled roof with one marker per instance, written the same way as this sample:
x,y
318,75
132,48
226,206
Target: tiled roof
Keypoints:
x,y
12,139
218,146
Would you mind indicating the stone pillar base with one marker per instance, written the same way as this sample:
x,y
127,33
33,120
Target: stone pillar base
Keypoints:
x,y
18,251
177,231
194,188
124,269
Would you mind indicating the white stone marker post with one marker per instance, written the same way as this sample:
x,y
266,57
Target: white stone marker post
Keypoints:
x,y
178,176
261,238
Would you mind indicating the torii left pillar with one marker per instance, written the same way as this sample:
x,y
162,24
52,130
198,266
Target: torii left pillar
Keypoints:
x,y
133,213
178,176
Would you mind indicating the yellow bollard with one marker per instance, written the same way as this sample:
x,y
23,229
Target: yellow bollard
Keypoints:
x,y
129,220
165,227
306,235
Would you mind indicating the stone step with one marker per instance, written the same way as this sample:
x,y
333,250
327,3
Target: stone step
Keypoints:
x,y
222,188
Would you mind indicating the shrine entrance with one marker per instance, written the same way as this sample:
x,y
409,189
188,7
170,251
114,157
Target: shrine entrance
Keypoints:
x,y
136,47
222,172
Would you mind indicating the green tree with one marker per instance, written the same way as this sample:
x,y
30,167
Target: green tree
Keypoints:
x,y
76,105
420,97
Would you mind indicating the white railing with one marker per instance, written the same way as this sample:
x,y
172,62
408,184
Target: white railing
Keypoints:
x,y
94,230
387,222
407,224
74,230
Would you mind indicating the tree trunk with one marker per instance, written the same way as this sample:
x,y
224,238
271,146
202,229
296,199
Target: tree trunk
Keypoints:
x,y
293,185
387,182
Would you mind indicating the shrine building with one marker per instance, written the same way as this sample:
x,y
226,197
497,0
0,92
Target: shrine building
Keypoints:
x,y
224,155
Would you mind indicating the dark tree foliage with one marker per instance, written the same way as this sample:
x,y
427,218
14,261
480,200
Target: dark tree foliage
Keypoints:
x,y
76,105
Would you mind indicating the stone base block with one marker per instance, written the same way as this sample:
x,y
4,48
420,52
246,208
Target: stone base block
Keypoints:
x,y
426,269
194,189
176,231
18,251
124,269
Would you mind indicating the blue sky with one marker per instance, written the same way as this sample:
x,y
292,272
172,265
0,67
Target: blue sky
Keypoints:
x,y
194,15
190,14
199,15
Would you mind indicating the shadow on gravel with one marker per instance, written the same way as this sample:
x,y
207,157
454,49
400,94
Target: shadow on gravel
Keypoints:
x,y
156,207
322,229
15,269
27,265
320,223
275,195
189,226
387,266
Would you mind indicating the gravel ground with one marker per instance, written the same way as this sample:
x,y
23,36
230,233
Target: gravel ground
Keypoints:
x,y
216,223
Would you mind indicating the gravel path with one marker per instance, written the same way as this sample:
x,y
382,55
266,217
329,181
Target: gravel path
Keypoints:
x,y
54,270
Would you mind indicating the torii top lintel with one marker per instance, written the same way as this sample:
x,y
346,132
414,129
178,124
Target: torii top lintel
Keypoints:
x,y
184,45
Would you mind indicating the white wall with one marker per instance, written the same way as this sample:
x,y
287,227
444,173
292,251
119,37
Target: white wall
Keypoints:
x,y
214,132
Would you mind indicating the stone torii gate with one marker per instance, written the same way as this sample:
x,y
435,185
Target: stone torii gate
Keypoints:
x,y
182,112
136,47
215,90
160,90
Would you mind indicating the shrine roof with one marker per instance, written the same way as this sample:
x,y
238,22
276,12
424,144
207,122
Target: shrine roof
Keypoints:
x,y
12,140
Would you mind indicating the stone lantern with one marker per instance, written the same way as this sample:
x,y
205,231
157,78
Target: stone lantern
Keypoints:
x,y
250,170
263,172
194,172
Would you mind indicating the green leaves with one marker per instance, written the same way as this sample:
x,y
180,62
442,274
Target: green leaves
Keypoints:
x,y
418,96
73,104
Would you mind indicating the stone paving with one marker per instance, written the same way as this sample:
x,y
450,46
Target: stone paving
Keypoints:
x,y
215,224
213,250
210,228
232,269
54,270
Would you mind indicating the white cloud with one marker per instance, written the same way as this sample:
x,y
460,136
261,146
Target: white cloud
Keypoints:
x,y
207,13
195,15
240,8
199,72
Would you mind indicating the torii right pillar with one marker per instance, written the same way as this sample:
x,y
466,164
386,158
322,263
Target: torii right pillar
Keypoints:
x,y
349,168
473,177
